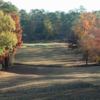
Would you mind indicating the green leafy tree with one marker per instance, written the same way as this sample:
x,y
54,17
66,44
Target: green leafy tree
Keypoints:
x,y
6,22
8,38
8,7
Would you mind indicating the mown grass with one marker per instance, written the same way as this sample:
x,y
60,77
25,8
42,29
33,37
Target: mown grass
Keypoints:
x,y
49,54
42,72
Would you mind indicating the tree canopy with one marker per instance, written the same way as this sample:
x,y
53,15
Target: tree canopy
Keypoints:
x,y
8,7
6,23
87,28
10,29
40,25
8,38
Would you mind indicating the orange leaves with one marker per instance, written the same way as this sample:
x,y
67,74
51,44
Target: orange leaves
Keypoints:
x,y
86,24
87,29
18,28
87,20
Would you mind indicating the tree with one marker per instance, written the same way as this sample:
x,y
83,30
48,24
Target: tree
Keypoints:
x,y
8,38
8,7
10,32
18,29
6,22
24,20
87,29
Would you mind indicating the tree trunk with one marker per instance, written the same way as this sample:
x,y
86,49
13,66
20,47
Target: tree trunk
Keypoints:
x,y
86,57
5,63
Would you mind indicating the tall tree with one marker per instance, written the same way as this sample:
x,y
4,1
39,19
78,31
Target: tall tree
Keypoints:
x,y
87,29
8,38
24,20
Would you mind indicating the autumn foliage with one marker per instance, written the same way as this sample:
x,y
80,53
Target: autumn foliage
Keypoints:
x,y
87,28
10,33
18,29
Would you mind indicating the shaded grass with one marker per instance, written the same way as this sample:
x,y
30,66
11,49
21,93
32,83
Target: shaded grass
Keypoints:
x,y
40,74
71,91
49,54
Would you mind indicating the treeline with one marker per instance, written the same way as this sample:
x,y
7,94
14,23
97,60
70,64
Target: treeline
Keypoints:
x,y
7,9
39,25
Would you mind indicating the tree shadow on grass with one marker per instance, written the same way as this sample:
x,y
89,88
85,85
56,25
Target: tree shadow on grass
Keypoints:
x,y
68,91
62,90
33,69
55,69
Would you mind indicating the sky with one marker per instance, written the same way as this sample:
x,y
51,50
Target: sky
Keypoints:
x,y
56,5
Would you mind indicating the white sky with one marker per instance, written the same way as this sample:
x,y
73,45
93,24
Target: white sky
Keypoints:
x,y
56,5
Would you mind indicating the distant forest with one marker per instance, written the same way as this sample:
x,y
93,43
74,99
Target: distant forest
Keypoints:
x,y
42,26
